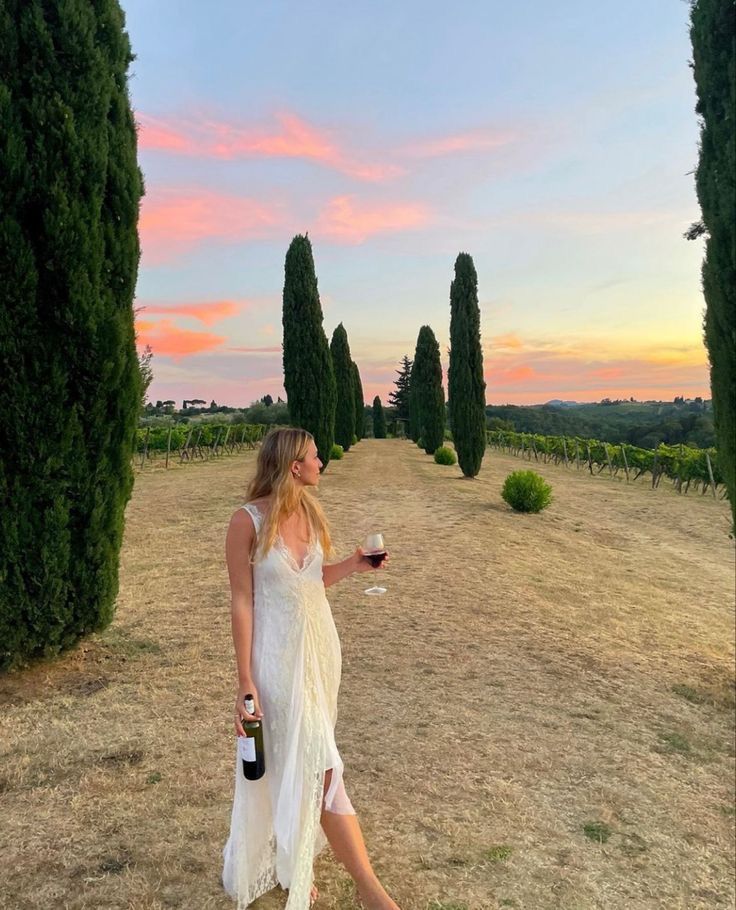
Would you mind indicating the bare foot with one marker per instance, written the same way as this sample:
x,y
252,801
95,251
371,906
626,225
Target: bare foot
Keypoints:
x,y
313,895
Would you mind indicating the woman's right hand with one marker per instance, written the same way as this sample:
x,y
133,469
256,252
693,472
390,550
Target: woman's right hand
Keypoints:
x,y
241,714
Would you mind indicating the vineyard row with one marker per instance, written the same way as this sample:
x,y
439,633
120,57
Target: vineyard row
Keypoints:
x,y
683,465
190,442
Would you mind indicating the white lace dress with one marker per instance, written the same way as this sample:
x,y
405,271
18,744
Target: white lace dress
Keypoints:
x,y
296,664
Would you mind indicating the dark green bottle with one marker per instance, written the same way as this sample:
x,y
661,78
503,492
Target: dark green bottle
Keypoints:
x,y
250,746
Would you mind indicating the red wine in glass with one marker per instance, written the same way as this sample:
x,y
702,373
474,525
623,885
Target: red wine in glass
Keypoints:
x,y
376,558
375,549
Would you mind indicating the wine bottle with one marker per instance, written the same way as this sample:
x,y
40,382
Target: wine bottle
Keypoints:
x,y
250,746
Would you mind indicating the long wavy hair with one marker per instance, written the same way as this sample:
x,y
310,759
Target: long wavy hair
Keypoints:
x,y
273,478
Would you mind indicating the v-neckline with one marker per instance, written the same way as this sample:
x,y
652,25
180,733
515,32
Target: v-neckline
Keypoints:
x,y
285,550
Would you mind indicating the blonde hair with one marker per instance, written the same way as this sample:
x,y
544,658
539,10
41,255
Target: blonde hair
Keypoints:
x,y
278,451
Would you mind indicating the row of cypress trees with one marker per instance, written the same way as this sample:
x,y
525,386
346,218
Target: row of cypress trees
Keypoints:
x,y
419,397
322,382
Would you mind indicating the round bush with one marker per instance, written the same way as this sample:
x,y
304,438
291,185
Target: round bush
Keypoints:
x,y
337,452
526,491
445,455
420,442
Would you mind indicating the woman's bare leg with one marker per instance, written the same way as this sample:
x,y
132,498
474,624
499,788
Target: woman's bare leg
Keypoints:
x,y
346,839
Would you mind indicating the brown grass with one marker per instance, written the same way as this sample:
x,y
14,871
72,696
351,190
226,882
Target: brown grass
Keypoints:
x,y
525,677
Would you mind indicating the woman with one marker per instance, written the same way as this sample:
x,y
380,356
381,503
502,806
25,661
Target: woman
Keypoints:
x,y
288,655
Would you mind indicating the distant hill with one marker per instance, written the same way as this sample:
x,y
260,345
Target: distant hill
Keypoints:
x,y
641,423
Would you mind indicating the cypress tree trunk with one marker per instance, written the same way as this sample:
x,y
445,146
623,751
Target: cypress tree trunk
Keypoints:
x,y
379,419
430,395
359,403
309,377
465,383
345,411
714,58
71,382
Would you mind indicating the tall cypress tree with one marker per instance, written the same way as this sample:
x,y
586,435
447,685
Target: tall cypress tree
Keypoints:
x,y
379,419
309,377
345,412
713,26
359,403
430,396
399,397
465,384
71,383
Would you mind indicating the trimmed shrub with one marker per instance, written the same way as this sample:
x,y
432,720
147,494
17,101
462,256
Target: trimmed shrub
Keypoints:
x,y
337,452
445,455
420,443
526,491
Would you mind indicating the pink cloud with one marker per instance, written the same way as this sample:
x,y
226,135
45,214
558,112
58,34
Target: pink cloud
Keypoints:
x,y
345,218
293,137
167,340
174,222
470,141
208,312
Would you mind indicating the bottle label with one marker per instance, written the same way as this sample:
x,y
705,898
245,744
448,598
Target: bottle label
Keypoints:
x,y
247,748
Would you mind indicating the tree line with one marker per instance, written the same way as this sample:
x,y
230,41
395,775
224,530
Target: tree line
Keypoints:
x,y
73,384
419,397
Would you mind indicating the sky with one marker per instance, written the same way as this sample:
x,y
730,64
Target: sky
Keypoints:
x,y
555,143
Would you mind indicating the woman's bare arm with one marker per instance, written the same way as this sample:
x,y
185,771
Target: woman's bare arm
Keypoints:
x,y
238,544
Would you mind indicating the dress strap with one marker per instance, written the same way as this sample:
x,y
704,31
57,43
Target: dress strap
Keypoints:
x,y
255,514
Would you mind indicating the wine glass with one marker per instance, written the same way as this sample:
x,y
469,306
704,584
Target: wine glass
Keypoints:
x,y
375,549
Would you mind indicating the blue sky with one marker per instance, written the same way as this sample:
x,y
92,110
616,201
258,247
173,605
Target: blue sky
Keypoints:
x,y
552,143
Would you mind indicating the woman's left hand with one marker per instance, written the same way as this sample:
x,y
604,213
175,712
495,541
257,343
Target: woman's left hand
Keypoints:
x,y
363,563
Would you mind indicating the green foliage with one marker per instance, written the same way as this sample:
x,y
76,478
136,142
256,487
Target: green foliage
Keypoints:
x,y
414,429
156,439
498,853
465,383
674,742
337,452
274,415
689,693
71,384
359,432
526,491
379,419
680,463
427,392
345,411
713,26
597,831
399,397
445,455
643,424
309,377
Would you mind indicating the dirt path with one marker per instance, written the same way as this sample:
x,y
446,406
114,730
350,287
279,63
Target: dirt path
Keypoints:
x,y
523,677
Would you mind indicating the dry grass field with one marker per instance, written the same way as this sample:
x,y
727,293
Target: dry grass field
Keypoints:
x,y
538,714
